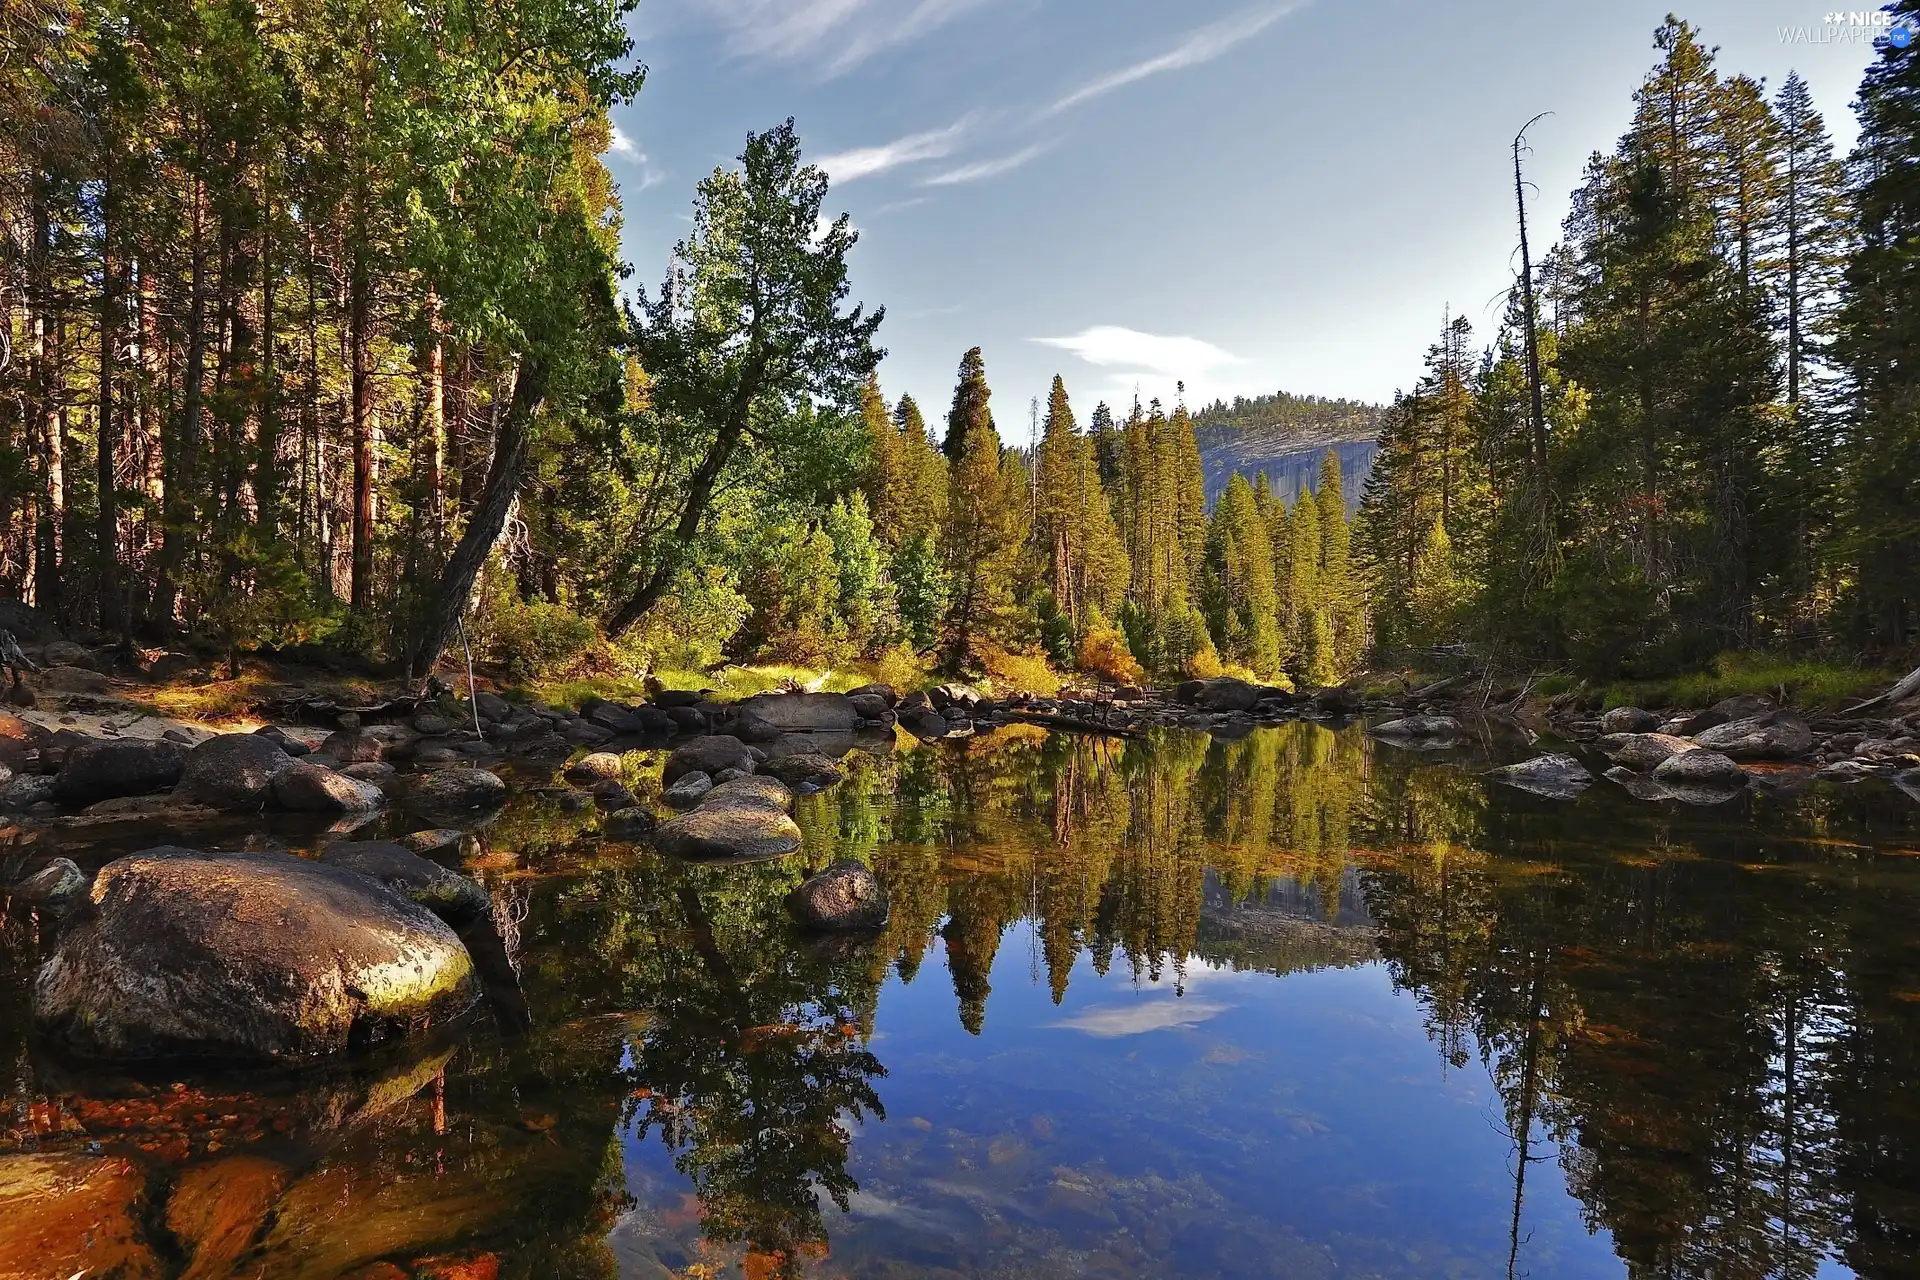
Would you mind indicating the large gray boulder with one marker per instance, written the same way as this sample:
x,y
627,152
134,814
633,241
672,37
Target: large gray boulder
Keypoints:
x,y
233,772
448,894
1644,752
308,788
457,791
803,712
1777,735
1629,720
752,792
1701,769
845,898
728,833
1228,694
707,755
1422,731
102,769
247,956
596,767
688,790
1558,776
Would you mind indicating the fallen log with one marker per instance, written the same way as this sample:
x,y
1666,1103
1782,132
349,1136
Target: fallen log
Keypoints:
x,y
1901,691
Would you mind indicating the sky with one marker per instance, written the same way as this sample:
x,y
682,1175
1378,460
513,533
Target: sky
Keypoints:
x,y
1244,195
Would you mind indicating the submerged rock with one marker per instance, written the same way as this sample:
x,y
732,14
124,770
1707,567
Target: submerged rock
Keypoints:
x,y
65,1214
1638,785
804,769
1556,776
845,898
629,824
729,832
247,956
100,770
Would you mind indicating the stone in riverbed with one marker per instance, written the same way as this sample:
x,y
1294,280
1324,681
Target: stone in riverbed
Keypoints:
x,y
448,894
307,788
925,723
1629,720
1701,769
1557,776
352,746
687,791
803,712
753,792
706,755
119,767
593,768
845,898
728,832
1638,785
884,692
1228,694
65,1214
440,840
748,727
246,956
456,791
1778,735
1421,731
1642,751
869,706
234,772
54,889
629,824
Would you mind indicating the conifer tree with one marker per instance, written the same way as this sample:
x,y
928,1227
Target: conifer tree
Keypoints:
x,y
1237,592
969,409
1343,606
986,513
1304,602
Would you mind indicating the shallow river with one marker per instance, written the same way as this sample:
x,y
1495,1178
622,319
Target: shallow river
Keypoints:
x,y
1297,1006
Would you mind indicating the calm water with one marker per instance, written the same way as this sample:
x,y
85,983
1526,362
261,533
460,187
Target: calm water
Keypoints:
x,y
1293,1006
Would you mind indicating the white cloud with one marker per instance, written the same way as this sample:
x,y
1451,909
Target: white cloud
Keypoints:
x,y
1112,1021
1203,45
835,35
984,168
1115,347
933,144
623,146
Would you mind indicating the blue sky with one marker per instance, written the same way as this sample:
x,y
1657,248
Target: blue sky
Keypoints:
x,y
1245,194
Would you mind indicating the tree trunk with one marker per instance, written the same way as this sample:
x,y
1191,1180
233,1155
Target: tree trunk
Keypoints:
x,y
266,465
489,516
106,426
178,464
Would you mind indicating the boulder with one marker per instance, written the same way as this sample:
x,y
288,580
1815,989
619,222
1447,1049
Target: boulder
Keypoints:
x,y
669,698
1844,771
308,788
25,790
246,956
754,792
1642,751
728,775
748,727
611,793
1629,720
431,724
924,723
99,770
440,840
728,832
448,894
803,712
1421,731
944,696
65,653
457,791
845,898
54,889
804,770
1557,776
594,768
74,680
1701,769
233,772
492,706
1638,785
285,741
352,746
618,719
706,755
688,790
172,666
1909,783
629,825
1777,735
374,771
584,733
869,706
884,692
689,719
1742,706
918,700
1228,694
1339,702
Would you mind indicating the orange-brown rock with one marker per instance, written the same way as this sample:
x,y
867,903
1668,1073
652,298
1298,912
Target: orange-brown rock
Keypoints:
x,y
65,1214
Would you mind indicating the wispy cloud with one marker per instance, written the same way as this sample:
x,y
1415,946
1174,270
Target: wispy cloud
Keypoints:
x,y
1203,45
833,35
623,146
1111,1021
1115,347
933,144
982,169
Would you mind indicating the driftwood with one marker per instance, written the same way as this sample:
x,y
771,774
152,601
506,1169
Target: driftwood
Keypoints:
x,y
1901,691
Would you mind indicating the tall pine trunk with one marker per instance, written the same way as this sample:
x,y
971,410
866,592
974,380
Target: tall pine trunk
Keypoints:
x,y
113,287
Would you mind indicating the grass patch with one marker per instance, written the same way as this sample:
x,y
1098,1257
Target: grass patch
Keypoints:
x,y
730,684
1806,682
218,701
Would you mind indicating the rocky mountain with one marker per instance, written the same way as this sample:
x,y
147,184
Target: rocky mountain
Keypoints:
x,y
1286,436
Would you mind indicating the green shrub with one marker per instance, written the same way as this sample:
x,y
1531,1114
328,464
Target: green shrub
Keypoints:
x,y
534,640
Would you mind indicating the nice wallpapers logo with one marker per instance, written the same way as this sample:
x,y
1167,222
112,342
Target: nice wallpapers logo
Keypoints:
x,y
1855,26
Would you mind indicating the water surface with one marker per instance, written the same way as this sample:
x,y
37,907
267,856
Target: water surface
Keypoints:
x,y
1296,1005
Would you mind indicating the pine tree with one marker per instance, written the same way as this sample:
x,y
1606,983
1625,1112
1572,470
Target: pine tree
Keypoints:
x,y
1343,606
969,411
986,513
1305,604
1237,592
